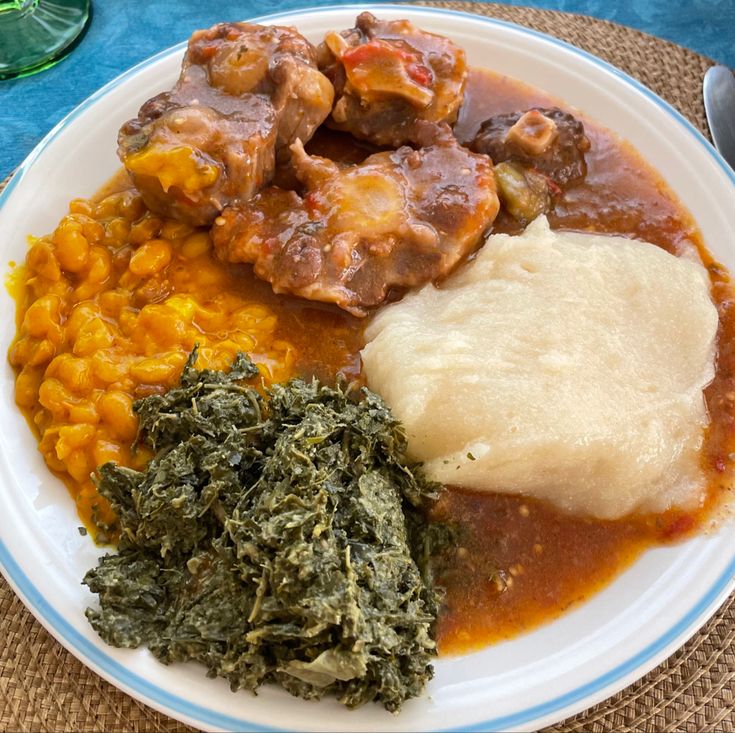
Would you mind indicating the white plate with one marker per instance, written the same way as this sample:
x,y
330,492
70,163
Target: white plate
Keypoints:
x,y
537,679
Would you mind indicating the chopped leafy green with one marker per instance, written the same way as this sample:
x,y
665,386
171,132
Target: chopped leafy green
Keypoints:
x,y
273,539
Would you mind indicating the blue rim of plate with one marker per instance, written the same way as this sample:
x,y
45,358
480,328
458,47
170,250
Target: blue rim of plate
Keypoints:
x,y
113,670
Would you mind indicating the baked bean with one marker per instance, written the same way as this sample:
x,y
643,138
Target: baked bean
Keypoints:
x,y
93,231
72,247
132,207
117,232
43,262
100,265
74,373
81,206
72,437
116,409
26,387
29,351
93,336
152,371
109,207
79,464
106,451
112,302
110,306
43,318
175,229
153,290
145,229
56,398
165,327
109,368
83,412
150,258
81,314
41,353
196,245
47,446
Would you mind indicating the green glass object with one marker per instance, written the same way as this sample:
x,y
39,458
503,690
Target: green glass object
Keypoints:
x,y
35,34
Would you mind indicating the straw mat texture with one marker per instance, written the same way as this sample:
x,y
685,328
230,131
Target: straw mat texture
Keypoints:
x,y
44,688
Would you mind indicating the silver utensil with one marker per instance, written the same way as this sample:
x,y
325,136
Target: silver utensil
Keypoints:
x,y
719,104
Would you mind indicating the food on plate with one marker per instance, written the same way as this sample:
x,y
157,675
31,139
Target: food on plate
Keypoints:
x,y
538,154
388,75
271,539
116,298
523,192
397,220
564,366
550,141
573,393
246,92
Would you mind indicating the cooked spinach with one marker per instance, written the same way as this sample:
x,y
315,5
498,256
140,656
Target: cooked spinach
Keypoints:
x,y
273,538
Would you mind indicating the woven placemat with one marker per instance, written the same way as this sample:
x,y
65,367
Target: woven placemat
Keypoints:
x,y
44,688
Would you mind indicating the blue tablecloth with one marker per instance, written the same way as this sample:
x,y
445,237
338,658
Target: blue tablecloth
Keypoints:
x,y
123,33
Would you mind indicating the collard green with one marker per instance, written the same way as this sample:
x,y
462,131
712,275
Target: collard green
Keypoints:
x,y
271,539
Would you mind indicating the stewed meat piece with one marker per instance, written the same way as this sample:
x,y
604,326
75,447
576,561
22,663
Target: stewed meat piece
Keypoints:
x,y
387,75
550,141
274,61
398,220
538,153
245,93
189,161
